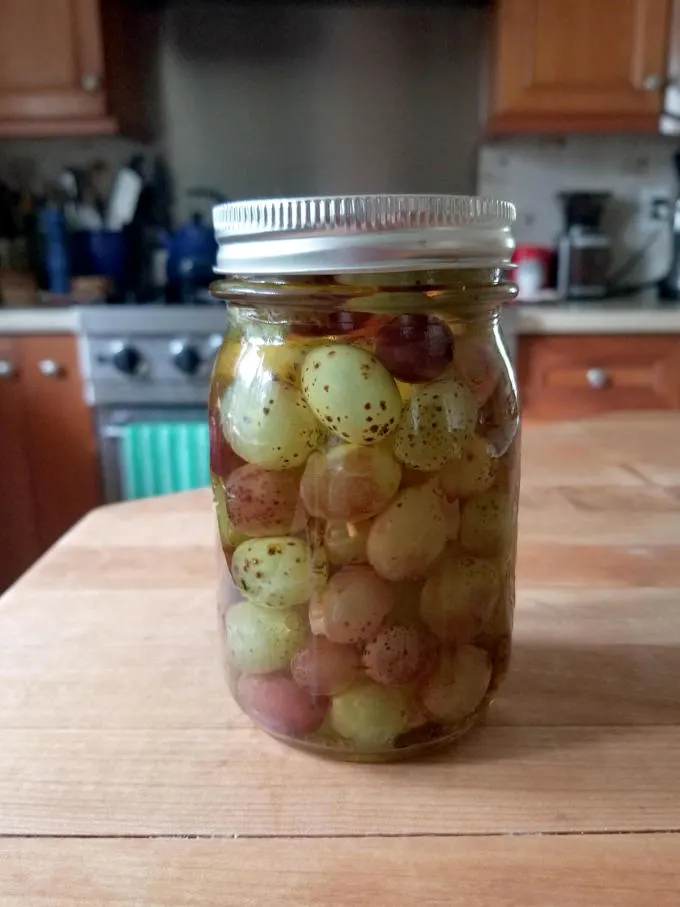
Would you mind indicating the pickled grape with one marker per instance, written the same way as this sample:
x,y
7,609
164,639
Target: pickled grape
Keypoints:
x,y
486,523
267,422
260,502
471,473
351,607
498,419
230,538
324,667
406,607
329,324
223,460
478,364
498,624
459,684
261,640
224,370
371,715
415,348
278,571
434,423
407,537
458,598
345,542
397,654
451,511
351,393
279,704
349,483
413,477
284,361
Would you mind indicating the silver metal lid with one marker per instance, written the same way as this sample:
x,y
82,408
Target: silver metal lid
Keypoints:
x,y
362,233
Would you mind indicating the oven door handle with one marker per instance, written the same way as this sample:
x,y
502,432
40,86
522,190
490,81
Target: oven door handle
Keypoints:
x,y
114,432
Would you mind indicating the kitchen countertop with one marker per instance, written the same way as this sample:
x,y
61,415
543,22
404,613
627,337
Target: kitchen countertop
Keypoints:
x,y
127,775
610,318
615,317
45,320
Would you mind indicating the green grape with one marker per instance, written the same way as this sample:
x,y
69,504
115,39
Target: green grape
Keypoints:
x,y
371,715
434,424
407,537
471,473
279,571
352,393
458,685
458,598
267,421
261,640
486,523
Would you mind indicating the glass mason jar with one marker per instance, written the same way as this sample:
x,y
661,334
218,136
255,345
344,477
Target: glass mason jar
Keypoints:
x,y
365,467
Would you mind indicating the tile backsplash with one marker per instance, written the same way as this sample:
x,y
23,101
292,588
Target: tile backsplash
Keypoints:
x,y
634,169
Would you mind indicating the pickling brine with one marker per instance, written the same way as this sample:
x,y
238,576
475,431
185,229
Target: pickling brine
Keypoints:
x,y
365,468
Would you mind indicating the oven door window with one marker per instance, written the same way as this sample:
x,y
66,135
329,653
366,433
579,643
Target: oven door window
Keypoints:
x,y
148,452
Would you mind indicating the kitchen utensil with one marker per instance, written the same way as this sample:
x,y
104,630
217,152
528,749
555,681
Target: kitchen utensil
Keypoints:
x,y
124,197
101,253
584,250
57,263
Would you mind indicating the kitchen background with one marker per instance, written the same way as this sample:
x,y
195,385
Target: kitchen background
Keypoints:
x,y
507,98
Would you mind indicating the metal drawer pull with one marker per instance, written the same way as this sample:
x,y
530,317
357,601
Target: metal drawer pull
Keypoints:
x,y
597,378
7,369
91,82
50,368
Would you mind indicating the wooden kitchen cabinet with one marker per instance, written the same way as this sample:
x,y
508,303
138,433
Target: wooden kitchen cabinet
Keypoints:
x,y
18,533
580,65
49,473
569,377
74,67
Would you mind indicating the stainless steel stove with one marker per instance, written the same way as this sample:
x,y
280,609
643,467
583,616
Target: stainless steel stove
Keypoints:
x,y
145,364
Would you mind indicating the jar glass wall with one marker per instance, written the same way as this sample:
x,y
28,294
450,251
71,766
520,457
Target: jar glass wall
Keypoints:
x,y
365,468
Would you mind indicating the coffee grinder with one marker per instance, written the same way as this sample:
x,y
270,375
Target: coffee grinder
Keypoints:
x,y
583,250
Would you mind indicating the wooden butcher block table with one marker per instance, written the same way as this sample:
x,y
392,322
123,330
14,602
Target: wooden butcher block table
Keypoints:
x,y
128,777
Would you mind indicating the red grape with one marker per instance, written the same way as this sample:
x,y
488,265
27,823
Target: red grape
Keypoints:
x,y
352,606
279,704
333,323
397,654
324,667
262,503
415,347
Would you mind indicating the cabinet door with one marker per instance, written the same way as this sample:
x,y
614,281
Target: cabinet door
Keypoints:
x,y
580,64
572,377
18,537
60,439
51,62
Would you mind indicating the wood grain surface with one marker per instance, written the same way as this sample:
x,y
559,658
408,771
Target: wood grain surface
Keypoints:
x,y
127,776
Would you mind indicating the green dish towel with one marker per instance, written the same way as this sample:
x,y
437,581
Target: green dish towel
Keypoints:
x,y
162,457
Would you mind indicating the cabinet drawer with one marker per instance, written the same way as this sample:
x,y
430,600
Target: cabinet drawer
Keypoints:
x,y
570,377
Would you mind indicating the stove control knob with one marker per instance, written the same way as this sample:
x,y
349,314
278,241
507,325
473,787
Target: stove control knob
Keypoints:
x,y
185,357
127,359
